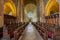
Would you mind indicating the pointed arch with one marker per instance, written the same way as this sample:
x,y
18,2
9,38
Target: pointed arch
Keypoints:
x,y
51,5
9,6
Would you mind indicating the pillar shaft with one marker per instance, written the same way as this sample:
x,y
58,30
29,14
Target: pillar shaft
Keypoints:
x,y
42,11
1,13
59,10
18,12
21,10
38,10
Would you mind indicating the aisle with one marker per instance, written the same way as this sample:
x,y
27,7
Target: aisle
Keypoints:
x,y
30,33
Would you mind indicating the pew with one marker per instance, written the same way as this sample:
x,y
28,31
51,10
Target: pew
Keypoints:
x,y
53,32
19,27
12,27
42,30
1,32
20,30
57,34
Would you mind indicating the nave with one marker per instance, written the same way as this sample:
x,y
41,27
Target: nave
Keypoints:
x,y
31,33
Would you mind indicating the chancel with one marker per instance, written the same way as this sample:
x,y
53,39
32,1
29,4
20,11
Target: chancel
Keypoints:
x,y
29,19
30,14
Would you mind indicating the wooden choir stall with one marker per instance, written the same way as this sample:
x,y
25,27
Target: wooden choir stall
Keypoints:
x,y
15,30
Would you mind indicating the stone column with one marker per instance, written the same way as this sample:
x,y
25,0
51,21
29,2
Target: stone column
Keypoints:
x,y
18,12
1,14
38,10
42,11
59,10
21,5
1,18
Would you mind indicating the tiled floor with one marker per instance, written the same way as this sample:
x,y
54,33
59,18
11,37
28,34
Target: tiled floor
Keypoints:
x,y
30,33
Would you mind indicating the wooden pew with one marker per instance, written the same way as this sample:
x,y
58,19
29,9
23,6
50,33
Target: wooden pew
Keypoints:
x,y
57,34
54,31
1,32
12,27
20,30
42,30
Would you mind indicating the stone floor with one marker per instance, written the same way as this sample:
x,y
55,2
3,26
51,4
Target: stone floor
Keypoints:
x,y
50,39
30,33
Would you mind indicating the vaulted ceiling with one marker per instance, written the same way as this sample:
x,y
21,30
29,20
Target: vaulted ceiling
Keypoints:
x,y
30,1
30,8
50,5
